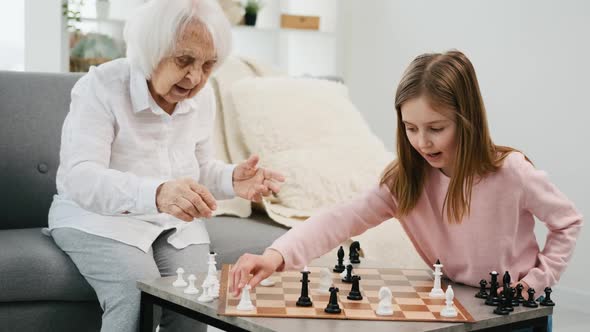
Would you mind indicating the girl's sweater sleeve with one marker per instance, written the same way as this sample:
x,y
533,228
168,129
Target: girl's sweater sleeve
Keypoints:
x,y
324,231
552,207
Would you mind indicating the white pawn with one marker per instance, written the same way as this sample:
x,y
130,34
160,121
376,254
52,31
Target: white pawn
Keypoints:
x,y
385,307
205,296
245,302
179,282
449,310
214,290
436,291
267,282
191,289
325,281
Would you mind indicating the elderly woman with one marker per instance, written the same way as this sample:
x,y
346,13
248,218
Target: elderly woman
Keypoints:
x,y
137,170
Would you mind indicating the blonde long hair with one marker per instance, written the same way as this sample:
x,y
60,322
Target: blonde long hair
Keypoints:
x,y
448,81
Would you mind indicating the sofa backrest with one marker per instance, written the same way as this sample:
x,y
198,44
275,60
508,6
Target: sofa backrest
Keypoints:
x,y
33,108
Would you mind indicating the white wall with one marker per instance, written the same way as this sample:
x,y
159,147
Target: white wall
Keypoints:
x,y
533,62
12,34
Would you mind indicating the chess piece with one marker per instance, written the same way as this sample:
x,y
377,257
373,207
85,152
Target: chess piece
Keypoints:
x,y
333,307
325,281
385,307
340,267
205,296
304,300
506,279
268,282
353,253
436,291
547,302
482,294
513,297
501,309
355,291
245,301
449,310
530,302
508,295
348,278
179,282
191,289
519,296
493,298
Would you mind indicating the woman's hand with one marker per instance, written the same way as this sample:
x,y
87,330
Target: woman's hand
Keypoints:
x,y
260,266
185,199
251,182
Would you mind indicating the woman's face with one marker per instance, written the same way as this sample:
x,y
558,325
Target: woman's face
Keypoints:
x,y
183,74
432,133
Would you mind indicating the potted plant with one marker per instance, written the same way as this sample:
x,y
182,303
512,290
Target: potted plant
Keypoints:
x,y
252,7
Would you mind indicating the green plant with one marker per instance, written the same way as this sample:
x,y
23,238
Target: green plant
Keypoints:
x,y
71,12
252,7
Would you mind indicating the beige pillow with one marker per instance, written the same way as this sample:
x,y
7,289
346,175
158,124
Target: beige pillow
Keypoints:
x,y
310,131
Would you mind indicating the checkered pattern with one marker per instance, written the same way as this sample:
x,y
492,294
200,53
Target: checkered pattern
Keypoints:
x,y
410,290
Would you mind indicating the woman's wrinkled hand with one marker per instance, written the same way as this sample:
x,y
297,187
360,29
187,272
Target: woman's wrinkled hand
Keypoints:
x,y
252,182
185,199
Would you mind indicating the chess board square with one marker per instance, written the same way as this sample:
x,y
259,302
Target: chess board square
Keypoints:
x,y
405,294
393,277
383,272
378,282
371,273
421,283
292,297
419,315
403,300
269,290
272,311
293,285
270,297
368,276
418,277
375,305
415,273
397,283
356,306
300,311
436,308
413,307
234,302
430,301
398,289
292,290
269,304
358,313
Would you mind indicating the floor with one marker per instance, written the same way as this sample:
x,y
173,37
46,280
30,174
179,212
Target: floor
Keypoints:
x,y
564,319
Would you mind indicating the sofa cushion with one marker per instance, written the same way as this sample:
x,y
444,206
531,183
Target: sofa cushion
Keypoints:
x,y
231,237
33,109
34,268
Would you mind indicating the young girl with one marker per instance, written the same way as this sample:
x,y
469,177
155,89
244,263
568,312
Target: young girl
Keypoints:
x,y
459,197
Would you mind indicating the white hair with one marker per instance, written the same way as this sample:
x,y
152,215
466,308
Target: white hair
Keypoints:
x,y
152,30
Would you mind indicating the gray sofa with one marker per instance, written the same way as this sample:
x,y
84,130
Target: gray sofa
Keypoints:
x,y
40,288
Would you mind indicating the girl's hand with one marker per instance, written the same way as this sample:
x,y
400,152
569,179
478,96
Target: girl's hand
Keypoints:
x,y
513,285
260,266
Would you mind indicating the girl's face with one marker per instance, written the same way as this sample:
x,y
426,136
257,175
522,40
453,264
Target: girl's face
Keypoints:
x,y
183,74
432,133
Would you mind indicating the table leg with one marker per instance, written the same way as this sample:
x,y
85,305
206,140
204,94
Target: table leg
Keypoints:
x,y
146,313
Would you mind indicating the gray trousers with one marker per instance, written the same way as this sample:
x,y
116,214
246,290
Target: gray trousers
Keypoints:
x,y
112,268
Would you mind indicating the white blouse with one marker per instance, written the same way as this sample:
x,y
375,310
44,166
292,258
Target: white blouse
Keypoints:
x,y
118,146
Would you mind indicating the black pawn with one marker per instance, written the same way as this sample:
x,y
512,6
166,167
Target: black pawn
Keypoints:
x,y
353,254
348,277
304,300
508,296
340,266
333,307
506,279
530,302
493,298
519,296
482,294
547,302
355,291
501,309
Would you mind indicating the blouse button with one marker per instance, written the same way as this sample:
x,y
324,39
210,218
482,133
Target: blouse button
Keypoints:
x,y
43,168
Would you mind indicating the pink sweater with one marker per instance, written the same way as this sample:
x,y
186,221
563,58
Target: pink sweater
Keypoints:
x,y
497,235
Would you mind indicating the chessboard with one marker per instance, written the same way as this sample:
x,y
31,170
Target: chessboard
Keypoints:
x,y
410,289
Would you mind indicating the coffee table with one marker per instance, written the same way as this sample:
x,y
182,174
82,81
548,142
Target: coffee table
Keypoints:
x,y
161,292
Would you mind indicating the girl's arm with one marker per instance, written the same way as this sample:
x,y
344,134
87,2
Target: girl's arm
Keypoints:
x,y
562,219
324,231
